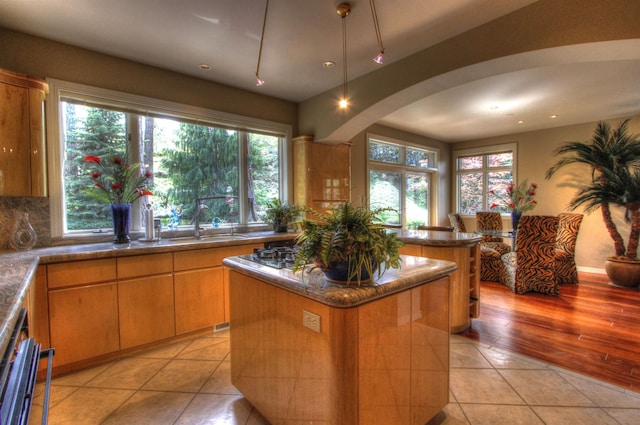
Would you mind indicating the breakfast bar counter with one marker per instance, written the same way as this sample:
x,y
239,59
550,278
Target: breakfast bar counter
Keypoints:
x,y
304,350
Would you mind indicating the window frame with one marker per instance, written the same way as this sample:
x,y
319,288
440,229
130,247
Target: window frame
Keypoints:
x,y
403,169
483,151
143,105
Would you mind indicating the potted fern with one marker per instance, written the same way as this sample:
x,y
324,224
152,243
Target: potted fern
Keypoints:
x,y
613,157
347,243
281,214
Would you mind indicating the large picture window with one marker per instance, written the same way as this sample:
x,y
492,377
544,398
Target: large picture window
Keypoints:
x,y
400,178
238,169
478,171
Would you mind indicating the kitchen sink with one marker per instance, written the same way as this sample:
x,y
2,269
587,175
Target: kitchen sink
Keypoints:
x,y
217,236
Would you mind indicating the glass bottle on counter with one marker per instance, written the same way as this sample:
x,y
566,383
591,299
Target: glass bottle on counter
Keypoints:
x,y
23,236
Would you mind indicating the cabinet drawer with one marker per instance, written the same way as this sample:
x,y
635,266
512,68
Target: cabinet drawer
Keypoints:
x,y
208,257
144,265
81,272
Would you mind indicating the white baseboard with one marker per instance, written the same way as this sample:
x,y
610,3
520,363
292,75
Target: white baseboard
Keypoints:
x,y
591,270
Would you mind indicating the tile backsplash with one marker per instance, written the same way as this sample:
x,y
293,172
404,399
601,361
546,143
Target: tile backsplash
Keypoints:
x,y
39,217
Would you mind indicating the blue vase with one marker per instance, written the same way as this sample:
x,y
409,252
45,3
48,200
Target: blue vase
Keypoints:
x,y
121,214
339,273
515,219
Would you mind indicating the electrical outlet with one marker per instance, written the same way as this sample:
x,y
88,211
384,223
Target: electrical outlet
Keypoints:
x,y
311,320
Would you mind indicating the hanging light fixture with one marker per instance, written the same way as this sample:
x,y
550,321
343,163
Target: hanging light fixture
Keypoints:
x,y
343,10
260,81
380,56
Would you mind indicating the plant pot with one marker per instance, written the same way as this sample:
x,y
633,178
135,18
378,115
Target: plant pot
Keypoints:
x,y
623,272
339,273
280,228
121,216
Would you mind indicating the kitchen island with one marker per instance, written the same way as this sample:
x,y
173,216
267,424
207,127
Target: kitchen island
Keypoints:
x,y
307,351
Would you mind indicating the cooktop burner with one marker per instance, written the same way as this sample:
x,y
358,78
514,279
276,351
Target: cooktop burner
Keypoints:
x,y
279,257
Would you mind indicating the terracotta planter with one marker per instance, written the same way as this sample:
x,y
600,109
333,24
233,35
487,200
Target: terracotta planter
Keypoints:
x,y
624,273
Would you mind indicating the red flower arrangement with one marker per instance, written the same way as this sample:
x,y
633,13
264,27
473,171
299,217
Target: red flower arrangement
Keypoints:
x,y
518,198
116,181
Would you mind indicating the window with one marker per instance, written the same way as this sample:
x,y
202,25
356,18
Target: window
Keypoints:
x,y
480,170
400,178
192,153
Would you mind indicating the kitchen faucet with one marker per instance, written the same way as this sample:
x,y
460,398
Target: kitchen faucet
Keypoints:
x,y
199,206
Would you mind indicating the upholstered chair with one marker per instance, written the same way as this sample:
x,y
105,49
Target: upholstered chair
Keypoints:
x,y
491,248
568,227
457,223
531,268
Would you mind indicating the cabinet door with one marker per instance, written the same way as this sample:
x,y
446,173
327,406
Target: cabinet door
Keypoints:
x,y
199,299
146,311
83,322
23,156
14,133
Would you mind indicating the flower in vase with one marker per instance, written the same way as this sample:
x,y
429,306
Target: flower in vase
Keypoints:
x,y
115,181
515,198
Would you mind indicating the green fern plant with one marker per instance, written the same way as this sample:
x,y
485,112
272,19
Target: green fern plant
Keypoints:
x,y
349,235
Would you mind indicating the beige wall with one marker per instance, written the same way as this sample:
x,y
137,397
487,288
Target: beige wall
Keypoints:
x,y
535,156
48,59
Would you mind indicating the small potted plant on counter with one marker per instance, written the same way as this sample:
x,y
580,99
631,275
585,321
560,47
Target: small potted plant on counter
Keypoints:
x,y
281,214
347,243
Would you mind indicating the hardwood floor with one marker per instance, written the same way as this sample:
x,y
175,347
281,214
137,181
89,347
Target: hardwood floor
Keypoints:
x,y
591,328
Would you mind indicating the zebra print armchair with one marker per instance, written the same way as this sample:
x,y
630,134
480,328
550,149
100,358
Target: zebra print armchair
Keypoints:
x,y
491,248
531,268
568,227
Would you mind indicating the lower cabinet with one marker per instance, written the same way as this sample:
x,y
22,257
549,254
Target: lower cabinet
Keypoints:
x,y
145,310
89,310
84,322
199,299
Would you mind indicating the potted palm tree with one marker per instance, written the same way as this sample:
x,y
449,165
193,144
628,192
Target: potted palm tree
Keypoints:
x,y
281,214
613,156
347,243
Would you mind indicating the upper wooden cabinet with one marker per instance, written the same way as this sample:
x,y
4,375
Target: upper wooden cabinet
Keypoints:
x,y
23,163
321,173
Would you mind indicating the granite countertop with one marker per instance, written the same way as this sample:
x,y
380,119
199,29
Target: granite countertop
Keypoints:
x,y
414,272
17,268
438,238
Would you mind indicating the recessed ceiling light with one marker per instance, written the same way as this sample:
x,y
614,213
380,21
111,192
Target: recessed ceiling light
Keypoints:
x,y
520,121
328,64
553,116
204,67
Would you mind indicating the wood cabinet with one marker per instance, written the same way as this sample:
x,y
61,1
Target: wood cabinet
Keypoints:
x,y
321,173
201,292
199,299
145,299
91,310
83,309
465,282
22,138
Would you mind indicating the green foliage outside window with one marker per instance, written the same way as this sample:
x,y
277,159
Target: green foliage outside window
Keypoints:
x,y
187,161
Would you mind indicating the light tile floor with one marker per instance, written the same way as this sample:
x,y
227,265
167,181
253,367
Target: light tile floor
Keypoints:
x,y
189,383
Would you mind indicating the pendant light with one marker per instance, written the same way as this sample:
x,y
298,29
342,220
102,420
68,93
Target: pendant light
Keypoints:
x,y
260,81
380,56
343,10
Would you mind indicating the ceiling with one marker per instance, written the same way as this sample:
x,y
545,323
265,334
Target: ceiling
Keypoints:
x,y
302,34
